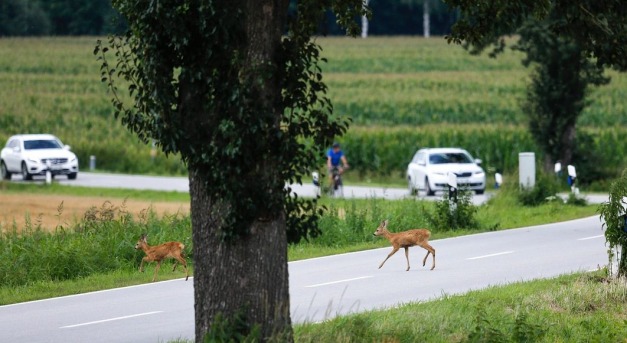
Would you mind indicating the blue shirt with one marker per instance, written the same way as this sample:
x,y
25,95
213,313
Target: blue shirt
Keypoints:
x,y
335,156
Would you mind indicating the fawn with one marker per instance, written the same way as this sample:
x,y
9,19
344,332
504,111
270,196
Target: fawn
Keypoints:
x,y
406,239
159,253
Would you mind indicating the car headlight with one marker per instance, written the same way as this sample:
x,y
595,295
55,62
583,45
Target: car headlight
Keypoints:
x,y
438,173
33,161
478,173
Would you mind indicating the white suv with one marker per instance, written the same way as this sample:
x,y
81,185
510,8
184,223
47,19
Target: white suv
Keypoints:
x,y
429,170
34,155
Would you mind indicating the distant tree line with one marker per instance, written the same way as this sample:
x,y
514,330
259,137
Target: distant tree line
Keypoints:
x,y
59,18
97,17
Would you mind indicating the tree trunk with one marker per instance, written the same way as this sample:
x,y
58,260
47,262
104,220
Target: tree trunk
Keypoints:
x,y
567,144
364,23
247,276
426,22
622,262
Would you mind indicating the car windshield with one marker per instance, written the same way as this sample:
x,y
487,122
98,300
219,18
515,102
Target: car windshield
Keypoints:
x,y
41,144
449,157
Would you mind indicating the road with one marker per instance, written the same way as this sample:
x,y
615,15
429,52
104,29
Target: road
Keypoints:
x,y
320,288
181,184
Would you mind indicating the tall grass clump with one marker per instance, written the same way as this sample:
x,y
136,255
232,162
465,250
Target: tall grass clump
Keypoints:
x,y
454,212
103,241
349,222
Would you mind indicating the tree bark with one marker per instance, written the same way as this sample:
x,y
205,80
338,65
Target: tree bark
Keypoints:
x,y
249,275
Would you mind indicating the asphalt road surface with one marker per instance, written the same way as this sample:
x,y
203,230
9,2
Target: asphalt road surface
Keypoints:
x,y
181,184
320,288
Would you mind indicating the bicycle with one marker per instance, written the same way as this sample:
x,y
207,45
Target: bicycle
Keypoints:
x,y
337,188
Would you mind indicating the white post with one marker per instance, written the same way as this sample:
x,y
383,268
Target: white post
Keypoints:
x,y
527,169
48,173
572,174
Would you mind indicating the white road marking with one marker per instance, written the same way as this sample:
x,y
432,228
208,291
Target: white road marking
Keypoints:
x,y
110,319
338,281
491,255
591,237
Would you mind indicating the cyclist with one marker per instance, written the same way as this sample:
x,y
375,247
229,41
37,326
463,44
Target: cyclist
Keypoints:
x,y
335,155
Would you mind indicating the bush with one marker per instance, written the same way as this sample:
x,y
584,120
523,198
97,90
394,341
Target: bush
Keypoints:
x,y
544,190
454,215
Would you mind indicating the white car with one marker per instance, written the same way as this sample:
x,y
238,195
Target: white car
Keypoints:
x,y
34,155
429,170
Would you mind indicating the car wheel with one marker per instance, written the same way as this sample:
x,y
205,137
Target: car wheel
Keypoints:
x,y
412,189
5,174
72,176
25,174
428,188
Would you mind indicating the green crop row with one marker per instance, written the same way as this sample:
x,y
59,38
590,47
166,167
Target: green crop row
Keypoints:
x,y
403,83
457,97
387,151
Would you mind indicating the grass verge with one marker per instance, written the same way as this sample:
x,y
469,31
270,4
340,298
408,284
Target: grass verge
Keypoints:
x,y
85,251
584,307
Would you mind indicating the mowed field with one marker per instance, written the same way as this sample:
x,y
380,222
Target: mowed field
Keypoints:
x,y
50,211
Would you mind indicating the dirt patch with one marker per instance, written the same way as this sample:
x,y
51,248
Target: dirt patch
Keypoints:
x,y
53,210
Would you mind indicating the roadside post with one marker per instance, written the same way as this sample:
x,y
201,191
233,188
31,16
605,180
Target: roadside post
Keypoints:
x,y
527,169
498,180
572,178
48,173
452,191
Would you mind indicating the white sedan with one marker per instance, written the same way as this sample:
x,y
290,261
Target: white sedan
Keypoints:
x,y
35,155
430,168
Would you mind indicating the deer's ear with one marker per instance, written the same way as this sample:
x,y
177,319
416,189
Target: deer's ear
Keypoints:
x,y
385,223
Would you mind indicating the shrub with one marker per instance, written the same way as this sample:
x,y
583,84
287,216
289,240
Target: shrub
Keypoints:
x,y
454,214
544,190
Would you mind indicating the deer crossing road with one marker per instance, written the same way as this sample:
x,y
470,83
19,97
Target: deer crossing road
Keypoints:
x,y
320,288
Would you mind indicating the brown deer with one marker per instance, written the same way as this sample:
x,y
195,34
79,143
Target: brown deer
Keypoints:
x,y
159,253
406,239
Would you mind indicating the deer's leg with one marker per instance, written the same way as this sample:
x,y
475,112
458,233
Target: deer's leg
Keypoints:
x,y
407,257
389,255
141,265
184,263
424,260
154,278
431,251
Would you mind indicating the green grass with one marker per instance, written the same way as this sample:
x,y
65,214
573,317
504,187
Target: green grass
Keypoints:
x,y
120,193
585,307
96,282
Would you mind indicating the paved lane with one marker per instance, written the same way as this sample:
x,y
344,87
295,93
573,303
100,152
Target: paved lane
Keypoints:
x,y
320,288
181,184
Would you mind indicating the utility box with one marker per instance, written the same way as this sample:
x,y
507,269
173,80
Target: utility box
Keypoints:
x,y
527,169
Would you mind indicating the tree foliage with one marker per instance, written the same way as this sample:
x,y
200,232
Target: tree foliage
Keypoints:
x,y
22,18
613,215
599,27
559,84
177,44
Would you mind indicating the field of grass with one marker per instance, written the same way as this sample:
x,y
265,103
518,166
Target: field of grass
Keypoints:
x,y
402,84
585,307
